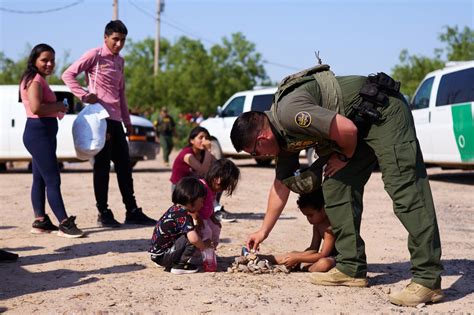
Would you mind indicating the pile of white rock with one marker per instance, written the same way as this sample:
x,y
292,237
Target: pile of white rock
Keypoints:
x,y
251,263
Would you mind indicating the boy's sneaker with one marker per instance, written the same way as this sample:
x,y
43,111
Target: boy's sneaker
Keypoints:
x,y
184,268
69,229
45,226
224,216
136,216
7,256
106,219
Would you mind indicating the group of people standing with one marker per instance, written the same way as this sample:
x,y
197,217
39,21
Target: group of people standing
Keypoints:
x,y
104,71
311,109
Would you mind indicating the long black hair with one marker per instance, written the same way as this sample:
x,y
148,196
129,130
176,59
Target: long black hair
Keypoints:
x,y
227,172
31,69
196,130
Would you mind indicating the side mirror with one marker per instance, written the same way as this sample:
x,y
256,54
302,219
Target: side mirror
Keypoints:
x,y
219,111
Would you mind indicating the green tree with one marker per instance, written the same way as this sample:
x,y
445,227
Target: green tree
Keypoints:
x,y
460,43
413,69
140,83
10,71
191,78
238,67
459,47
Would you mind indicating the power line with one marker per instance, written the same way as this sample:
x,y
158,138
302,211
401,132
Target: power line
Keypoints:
x,y
40,11
153,16
164,21
280,65
199,37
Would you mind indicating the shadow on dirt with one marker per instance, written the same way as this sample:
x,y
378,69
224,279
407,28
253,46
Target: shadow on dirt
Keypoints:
x,y
455,177
86,170
394,272
257,216
18,280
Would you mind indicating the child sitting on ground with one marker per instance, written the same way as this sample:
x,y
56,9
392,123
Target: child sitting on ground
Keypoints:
x,y
223,176
196,159
313,259
175,240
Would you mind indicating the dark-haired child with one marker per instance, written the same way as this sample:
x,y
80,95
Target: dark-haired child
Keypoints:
x,y
315,257
175,240
222,177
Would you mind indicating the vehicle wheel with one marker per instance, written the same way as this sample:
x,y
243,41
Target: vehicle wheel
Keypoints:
x,y
264,161
310,156
216,148
3,167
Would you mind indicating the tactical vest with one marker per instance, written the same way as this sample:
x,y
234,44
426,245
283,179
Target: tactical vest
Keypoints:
x,y
331,98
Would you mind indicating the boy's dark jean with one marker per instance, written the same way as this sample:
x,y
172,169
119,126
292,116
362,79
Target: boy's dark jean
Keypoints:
x,y
180,252
115,150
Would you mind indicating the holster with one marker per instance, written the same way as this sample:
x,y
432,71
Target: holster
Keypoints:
x,y
374,94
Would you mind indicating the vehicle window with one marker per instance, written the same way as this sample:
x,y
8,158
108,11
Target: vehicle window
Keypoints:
x,y
261,103
422,97
456,87
75,105
235,107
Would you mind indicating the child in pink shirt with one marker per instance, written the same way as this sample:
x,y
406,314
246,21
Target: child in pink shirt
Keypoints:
x,y
223,176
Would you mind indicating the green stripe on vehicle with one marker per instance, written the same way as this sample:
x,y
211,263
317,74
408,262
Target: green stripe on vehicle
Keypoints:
x,y
463,127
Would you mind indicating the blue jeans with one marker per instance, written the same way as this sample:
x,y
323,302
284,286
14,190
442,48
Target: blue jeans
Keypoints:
x,y
39,139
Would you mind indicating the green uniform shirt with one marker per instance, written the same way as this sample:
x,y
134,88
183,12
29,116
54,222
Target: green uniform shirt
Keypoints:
x,y
306,123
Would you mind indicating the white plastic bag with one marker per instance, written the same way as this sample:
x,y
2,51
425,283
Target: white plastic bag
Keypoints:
x,y
88,131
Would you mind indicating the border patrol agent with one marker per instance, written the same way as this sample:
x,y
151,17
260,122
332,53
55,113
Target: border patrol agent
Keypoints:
x,y
352,122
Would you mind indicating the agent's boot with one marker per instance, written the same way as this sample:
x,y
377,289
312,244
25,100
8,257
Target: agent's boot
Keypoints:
x,y
335,278
415,294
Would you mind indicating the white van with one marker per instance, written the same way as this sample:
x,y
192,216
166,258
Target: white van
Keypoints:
x,y
443,111
142,142
259,99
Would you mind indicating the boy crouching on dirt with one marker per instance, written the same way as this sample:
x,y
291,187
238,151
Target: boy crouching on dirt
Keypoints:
x,y
175,239
313,259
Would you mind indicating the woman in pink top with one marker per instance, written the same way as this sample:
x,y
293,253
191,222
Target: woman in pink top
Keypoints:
x,y
39,139
195,158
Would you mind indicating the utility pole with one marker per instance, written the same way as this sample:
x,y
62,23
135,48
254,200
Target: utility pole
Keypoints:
x,y
159,8
115,12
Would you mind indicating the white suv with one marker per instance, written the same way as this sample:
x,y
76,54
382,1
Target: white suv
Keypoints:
x,y
219,127
443,111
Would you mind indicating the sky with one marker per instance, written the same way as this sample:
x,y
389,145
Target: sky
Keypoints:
x,y
353,36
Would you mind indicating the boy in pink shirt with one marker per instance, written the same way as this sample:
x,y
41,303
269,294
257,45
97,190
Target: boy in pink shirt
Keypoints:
x,y
104,70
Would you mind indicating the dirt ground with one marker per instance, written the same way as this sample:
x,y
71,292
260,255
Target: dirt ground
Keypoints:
x,y
110,271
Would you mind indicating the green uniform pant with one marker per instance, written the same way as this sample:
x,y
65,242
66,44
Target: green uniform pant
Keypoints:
x,y
394,145
166,143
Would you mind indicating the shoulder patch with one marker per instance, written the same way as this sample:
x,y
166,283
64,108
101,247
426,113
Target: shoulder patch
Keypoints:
x,y
303,119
